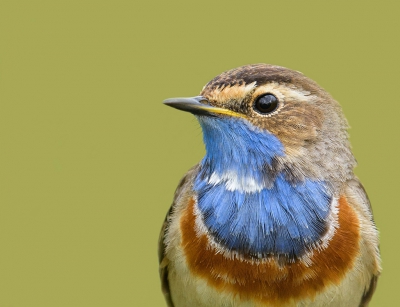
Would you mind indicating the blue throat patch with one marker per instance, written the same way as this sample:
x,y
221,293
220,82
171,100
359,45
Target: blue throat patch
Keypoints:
x,y
279,218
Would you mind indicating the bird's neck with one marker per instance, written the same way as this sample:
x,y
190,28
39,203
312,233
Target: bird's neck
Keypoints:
x,y
246,208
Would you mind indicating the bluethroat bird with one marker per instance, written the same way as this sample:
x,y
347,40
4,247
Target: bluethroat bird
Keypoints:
x,y
273,215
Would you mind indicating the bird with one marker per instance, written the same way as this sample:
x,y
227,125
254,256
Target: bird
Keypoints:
x,y
273,215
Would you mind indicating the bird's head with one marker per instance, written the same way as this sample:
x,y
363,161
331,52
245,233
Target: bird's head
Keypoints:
x,y
261,120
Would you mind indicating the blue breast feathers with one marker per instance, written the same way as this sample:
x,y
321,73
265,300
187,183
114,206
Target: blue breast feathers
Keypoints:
x,y
239,209
285,219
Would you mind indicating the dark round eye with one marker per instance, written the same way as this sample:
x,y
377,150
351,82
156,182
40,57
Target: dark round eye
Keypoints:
x,y
266,104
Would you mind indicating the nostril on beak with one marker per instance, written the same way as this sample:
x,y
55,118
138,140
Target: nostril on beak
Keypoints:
x,y
202,100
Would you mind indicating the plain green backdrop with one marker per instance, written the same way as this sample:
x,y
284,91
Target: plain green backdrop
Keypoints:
x,y
90,158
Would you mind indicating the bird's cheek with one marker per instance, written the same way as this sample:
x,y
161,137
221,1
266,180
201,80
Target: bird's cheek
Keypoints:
x,y
295,132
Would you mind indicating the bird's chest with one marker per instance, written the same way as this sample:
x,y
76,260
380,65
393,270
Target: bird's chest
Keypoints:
x,y
247,217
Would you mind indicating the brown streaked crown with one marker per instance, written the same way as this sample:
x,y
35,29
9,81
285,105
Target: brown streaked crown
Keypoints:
x,y
261,74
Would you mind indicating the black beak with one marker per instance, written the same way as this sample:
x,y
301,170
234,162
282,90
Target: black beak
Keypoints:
x,y
198,105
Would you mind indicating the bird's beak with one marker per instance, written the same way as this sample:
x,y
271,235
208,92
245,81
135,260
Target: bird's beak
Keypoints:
x,y
198,105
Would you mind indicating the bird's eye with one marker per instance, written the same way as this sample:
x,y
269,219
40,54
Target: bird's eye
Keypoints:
x,y
266,104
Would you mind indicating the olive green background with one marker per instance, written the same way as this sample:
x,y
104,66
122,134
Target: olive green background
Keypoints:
x,y
90,158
